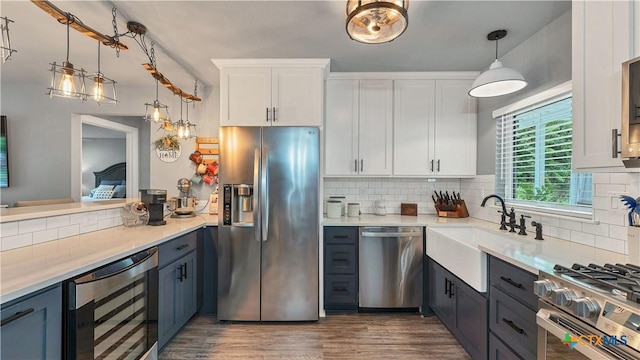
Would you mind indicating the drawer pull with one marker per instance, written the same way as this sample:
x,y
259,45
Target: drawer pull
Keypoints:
x,y
346,261
341,236
16,316
511,282
183,246
515,327
446,286
340,289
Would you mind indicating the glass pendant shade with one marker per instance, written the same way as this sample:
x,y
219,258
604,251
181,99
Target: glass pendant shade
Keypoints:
x,y
67,85
497,80
103,89
97,92
376,21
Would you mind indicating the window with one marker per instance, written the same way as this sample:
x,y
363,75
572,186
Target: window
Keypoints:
x,y
533,157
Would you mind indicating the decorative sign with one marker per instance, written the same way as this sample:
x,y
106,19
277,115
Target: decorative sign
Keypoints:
x,y
169,156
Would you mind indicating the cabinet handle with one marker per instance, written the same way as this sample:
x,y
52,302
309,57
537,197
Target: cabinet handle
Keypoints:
x,y
511,282
515,327
431,164
446,286
340,289
267,115
346,261
340,236
179,270
275,118
185,270
16,316
450,289
182,247
614,143
361,165
355,163
438,167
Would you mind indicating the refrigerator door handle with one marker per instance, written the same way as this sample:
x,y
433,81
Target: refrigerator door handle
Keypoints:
x,y
256,185
264,194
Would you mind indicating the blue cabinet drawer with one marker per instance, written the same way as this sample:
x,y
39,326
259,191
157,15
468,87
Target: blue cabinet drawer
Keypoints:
x,y
340,234
514,281
340,259
173,249
513,322
340,289
499,351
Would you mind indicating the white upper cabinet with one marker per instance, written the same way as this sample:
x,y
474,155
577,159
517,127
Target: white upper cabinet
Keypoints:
x,y
434,128
603,37
271,92
358,129
455,134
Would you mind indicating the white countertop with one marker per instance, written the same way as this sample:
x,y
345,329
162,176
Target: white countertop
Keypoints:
x,y
28,269
522,251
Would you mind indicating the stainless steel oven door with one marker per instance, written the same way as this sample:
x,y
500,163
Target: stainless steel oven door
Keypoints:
x,y
561,336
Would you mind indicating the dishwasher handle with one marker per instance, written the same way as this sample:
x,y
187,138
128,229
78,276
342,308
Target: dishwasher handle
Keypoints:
x,y
390,234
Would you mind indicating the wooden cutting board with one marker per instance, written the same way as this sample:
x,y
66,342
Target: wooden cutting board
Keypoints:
x,y
409,209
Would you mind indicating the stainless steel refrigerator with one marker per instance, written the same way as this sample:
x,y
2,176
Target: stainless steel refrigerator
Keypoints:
x,y
268,224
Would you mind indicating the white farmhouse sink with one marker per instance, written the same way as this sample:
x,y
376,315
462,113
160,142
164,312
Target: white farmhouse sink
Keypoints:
x,y
456,248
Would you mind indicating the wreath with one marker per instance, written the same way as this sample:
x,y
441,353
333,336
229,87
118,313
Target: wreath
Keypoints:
x,y
168,142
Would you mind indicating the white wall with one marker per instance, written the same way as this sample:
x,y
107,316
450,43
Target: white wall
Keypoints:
x,y
97,155
40,136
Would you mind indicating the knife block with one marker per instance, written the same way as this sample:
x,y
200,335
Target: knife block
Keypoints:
x,y
459,211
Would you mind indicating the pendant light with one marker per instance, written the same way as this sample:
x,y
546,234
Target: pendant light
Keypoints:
x,y
184,129
156,111
98,91
498,79
376,21
66,85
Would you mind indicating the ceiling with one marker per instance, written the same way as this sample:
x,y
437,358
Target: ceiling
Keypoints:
x,y
442,35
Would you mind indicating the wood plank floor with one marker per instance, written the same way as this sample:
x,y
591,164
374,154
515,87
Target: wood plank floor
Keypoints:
x,y
352,336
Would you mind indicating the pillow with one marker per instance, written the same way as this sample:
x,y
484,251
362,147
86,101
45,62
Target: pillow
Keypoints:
x,y
120,191
101,187
111,182
103,194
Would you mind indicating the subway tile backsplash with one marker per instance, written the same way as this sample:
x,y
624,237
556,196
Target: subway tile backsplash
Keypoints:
x,y
394,190
607,230
17,234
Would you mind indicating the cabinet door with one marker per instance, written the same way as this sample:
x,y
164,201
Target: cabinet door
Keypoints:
x,y
188,288
32,327
245,96
440,300
602,38
341,128
413,113
471,320
375,127
168,311
454,129
296,96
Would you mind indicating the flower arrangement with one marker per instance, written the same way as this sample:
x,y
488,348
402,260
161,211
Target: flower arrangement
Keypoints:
x,y
168,142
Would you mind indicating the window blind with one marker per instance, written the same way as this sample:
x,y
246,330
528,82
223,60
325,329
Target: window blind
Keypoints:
x,y
533,158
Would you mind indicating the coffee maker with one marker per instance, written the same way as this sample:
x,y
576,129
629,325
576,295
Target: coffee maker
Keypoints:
x,y
154,200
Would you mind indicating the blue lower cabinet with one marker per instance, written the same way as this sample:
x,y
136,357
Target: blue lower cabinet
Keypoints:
x,y
461,309
341,269
32,326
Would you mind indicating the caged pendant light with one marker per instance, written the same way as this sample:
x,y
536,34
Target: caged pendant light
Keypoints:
x,y
98,91
70,82
498,79
184,129
376,21
156,111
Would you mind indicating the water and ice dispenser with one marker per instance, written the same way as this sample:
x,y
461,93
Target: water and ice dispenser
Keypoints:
x,y
237,204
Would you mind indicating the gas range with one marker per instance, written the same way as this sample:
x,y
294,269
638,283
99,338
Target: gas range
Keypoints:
x,y
606,297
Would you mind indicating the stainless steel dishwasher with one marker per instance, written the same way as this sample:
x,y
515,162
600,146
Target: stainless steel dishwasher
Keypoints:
x,y
390,267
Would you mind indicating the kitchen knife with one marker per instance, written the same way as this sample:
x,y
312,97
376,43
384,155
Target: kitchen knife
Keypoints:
x,y
446,193
434,200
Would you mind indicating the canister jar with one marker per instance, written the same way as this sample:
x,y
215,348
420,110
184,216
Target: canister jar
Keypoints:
x,y
334,209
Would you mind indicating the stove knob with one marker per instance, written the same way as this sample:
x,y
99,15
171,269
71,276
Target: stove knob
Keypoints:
x,y
562,297
586,307
543,288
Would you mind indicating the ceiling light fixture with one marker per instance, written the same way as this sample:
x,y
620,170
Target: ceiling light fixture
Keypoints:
x,y
66,84
156,111
498,79
7,51
99,82
376,21
184,129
